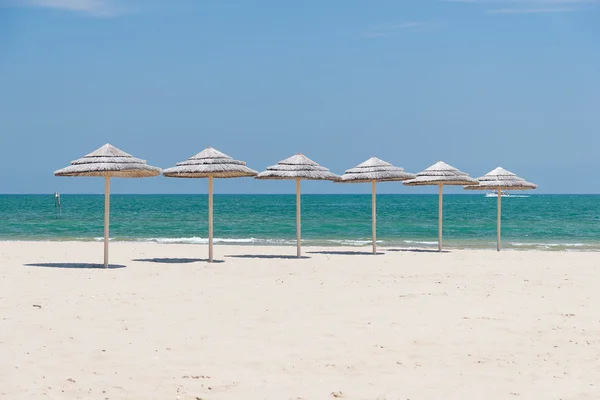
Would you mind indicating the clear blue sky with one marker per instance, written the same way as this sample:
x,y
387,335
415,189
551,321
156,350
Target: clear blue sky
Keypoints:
x,y
475,83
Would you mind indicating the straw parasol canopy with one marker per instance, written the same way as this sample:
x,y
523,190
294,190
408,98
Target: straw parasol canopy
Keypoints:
x,y
440,174
210,163
499,180
298,167
374,170
108,161
111,161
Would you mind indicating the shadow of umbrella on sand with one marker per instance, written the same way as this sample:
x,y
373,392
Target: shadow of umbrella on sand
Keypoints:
x,y
499,180
107,162
74,265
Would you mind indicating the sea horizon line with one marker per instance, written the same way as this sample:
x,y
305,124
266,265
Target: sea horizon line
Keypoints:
x,y
480,193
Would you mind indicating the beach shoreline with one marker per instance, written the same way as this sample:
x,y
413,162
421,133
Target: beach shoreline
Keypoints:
x,y
338,245
162,323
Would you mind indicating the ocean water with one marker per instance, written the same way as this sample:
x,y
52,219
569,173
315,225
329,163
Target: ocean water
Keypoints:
x,y
560,222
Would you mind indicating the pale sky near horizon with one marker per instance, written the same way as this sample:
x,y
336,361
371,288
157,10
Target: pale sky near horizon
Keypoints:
x,y
475,83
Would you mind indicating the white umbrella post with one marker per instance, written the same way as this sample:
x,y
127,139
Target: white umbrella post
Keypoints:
x,y
374,215
106,217
440,217
210,219
298,223
499,219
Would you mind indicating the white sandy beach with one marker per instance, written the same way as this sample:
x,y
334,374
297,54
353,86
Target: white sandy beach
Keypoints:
x,y
402,325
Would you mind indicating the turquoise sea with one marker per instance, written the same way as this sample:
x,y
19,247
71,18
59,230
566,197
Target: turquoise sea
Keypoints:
x,y
539,221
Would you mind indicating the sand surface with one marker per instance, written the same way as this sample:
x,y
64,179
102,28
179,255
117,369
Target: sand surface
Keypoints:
x,y
401,325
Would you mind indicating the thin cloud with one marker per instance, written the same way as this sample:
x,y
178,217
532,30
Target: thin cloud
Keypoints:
x,y
408,25
386,30
98,8
529,10
527,2
374,34
530,6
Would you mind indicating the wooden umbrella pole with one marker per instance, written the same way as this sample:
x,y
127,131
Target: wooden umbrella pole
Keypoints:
x,y
440,214
374,215
298,224
106,217
210,219
499,219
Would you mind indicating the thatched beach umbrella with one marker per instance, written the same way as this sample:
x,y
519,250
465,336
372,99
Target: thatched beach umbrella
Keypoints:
x,y
374,170
298,167
440,174
107,162
210,163
499,180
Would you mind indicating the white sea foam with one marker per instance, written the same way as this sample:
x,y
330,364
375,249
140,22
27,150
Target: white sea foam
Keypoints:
x,y
418,242
549,245
202,240
96,239
348,242
356,243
